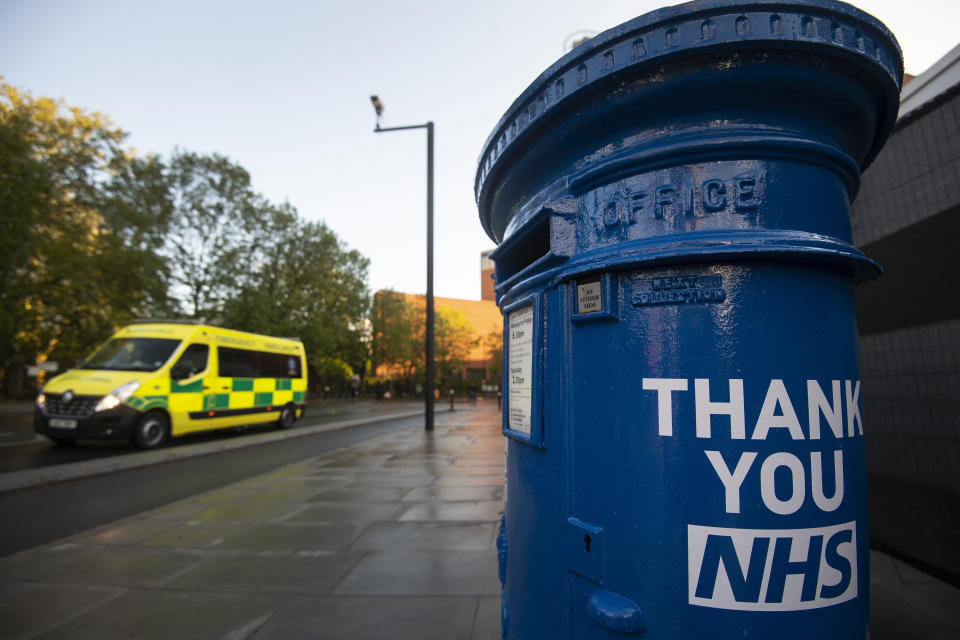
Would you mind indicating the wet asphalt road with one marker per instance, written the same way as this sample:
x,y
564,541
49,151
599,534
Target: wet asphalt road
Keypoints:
x,y
40,515
21,448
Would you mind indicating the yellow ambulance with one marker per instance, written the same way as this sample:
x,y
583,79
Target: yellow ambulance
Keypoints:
x,y
153,380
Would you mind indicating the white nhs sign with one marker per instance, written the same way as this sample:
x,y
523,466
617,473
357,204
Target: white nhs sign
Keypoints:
x,y
771,569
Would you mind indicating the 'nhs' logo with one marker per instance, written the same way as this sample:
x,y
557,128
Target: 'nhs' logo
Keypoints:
x,y
771,569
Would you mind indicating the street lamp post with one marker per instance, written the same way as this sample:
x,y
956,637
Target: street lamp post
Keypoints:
x,y
428,382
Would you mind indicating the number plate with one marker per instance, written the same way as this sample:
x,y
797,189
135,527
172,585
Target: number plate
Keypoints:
x,y
61,423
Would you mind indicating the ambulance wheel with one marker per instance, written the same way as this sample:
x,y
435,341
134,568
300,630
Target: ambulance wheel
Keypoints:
x,y
287,416
151,431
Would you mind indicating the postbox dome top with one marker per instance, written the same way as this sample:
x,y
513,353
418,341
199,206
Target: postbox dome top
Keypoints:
x,y
703,27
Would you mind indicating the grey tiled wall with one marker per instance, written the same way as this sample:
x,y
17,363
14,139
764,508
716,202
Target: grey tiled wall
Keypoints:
x,y
914,177
911,404
906,216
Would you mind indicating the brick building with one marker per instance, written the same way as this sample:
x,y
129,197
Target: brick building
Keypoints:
x,y
484,318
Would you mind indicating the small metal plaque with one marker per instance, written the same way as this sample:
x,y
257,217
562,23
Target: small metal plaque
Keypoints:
x,y
589,297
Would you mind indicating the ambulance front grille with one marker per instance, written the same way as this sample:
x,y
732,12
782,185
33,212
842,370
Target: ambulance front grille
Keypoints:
x,y
80,406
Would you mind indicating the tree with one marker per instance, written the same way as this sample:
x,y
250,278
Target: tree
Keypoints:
x,y
453,340
93,238
493,343
69,277
332,373
392,347
399,328
298,279
213,220
234,258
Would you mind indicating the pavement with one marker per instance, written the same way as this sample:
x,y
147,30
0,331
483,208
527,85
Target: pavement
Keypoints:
x,y
391,538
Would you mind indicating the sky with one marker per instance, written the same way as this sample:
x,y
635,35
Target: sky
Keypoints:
x,y
283,89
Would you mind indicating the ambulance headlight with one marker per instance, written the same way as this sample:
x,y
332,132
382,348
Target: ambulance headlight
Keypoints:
x,y
116,397
41,401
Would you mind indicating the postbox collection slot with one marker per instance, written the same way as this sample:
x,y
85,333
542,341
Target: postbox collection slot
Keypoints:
x,y
534,245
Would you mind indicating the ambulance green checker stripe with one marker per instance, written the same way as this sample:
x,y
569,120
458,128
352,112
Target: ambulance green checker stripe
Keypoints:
x,y
246,384
147,403
263,402
216,401
242,384
212,402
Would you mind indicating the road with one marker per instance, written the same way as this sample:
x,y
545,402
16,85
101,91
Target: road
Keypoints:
x,y
21,448
43,514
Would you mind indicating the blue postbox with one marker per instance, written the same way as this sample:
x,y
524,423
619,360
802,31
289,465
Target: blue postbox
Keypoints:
x,y
675,270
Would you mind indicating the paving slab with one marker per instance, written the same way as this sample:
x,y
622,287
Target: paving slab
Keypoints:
x,y
374,618
390,495
195,535
233,495
454,511
288,536
302,572
891,618
101,565
486,626
387,479
346,512
473,470
184,615
457,480
448,536
454,494
28,609
130,532
248,511
433,572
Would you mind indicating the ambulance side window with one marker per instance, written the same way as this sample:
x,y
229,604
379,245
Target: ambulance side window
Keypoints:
x,y
192,362
238,363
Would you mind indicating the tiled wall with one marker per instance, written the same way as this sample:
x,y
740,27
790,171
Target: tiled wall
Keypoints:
x,y
915,176
911,404
907,216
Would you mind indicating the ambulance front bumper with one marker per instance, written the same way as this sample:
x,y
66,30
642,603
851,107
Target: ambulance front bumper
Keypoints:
x,y
113,424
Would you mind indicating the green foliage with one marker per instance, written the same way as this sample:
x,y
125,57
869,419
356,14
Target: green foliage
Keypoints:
x,y
453,340
300,281
92,238
202,217
493,343
398,341
393,345
236,259
332,371
68,277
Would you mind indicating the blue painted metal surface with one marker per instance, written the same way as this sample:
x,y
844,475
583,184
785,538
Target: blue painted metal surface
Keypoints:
x,y
685,434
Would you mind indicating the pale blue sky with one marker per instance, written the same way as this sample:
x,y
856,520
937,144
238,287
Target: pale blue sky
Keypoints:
x,y
283,89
